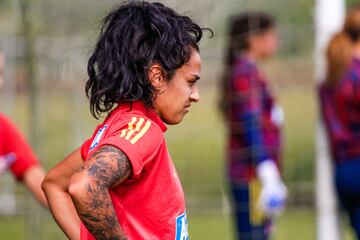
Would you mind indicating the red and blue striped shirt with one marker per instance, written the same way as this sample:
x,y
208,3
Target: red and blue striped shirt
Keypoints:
x,y
254,135
340,107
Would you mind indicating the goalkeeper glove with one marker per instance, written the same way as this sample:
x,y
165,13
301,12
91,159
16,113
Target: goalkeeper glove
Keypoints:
x,y
273,193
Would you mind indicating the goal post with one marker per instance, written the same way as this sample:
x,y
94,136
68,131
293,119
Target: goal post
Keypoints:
x,y
329,17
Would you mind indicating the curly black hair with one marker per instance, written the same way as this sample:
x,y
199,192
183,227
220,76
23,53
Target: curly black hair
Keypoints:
x,y
133,36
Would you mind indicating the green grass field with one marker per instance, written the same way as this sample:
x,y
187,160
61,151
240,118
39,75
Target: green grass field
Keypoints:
x,y
210,227
288,226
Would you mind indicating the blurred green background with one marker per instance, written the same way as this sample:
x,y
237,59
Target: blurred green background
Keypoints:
x,y
55,115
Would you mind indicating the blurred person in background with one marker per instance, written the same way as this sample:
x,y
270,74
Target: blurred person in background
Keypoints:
x,y
122,184
16,154
340,108
253,124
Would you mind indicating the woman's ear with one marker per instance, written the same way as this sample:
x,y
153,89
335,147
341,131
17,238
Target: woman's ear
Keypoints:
x,y
156,76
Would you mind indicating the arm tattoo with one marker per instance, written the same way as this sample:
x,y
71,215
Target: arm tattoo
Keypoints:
x,y
108,166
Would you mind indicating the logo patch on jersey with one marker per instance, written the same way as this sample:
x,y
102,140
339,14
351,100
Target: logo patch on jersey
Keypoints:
x,y
136,129
97,138
181,228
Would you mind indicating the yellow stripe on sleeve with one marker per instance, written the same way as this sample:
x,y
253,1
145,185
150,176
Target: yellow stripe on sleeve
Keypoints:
x,y
139,124
131,124
134,129
130,127
123,133
142,132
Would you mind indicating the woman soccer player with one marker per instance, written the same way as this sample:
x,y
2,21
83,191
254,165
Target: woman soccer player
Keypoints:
x,y
340,100
122,184
17,155
253,122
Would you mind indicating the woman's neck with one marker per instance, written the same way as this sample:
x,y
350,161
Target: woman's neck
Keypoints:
x,y
251,55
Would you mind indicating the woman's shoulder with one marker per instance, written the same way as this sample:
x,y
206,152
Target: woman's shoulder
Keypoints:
x,y
135,124
2,116
4,120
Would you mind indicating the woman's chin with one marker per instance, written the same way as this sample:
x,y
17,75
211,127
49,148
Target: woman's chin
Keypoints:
x,y
172,121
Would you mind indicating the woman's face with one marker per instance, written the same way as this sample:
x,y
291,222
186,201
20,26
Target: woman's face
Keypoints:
x,y
265,44
176,95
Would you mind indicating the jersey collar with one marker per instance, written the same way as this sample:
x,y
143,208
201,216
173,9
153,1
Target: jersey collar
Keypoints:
x,y
148,112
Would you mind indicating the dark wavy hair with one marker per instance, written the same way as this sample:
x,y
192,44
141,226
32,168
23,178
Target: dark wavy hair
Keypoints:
x,y
133,36
241,27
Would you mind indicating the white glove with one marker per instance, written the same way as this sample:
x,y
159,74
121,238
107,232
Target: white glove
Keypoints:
x,y
277,115
273,192
6,161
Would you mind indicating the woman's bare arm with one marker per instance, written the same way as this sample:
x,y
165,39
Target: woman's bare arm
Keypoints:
x,y
55,186
89,187
32,179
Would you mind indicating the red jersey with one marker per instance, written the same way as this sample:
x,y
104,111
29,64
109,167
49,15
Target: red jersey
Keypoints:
x,y
150,204
12,142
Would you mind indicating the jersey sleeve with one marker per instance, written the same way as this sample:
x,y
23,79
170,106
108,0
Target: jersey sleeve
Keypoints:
x,y
12,141
139,138
85,148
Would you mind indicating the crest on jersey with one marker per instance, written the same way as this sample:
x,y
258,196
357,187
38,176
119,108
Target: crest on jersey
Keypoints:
x,y
97,138
181,228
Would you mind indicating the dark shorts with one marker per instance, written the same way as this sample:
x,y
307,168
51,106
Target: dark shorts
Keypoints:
x,y
347,182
